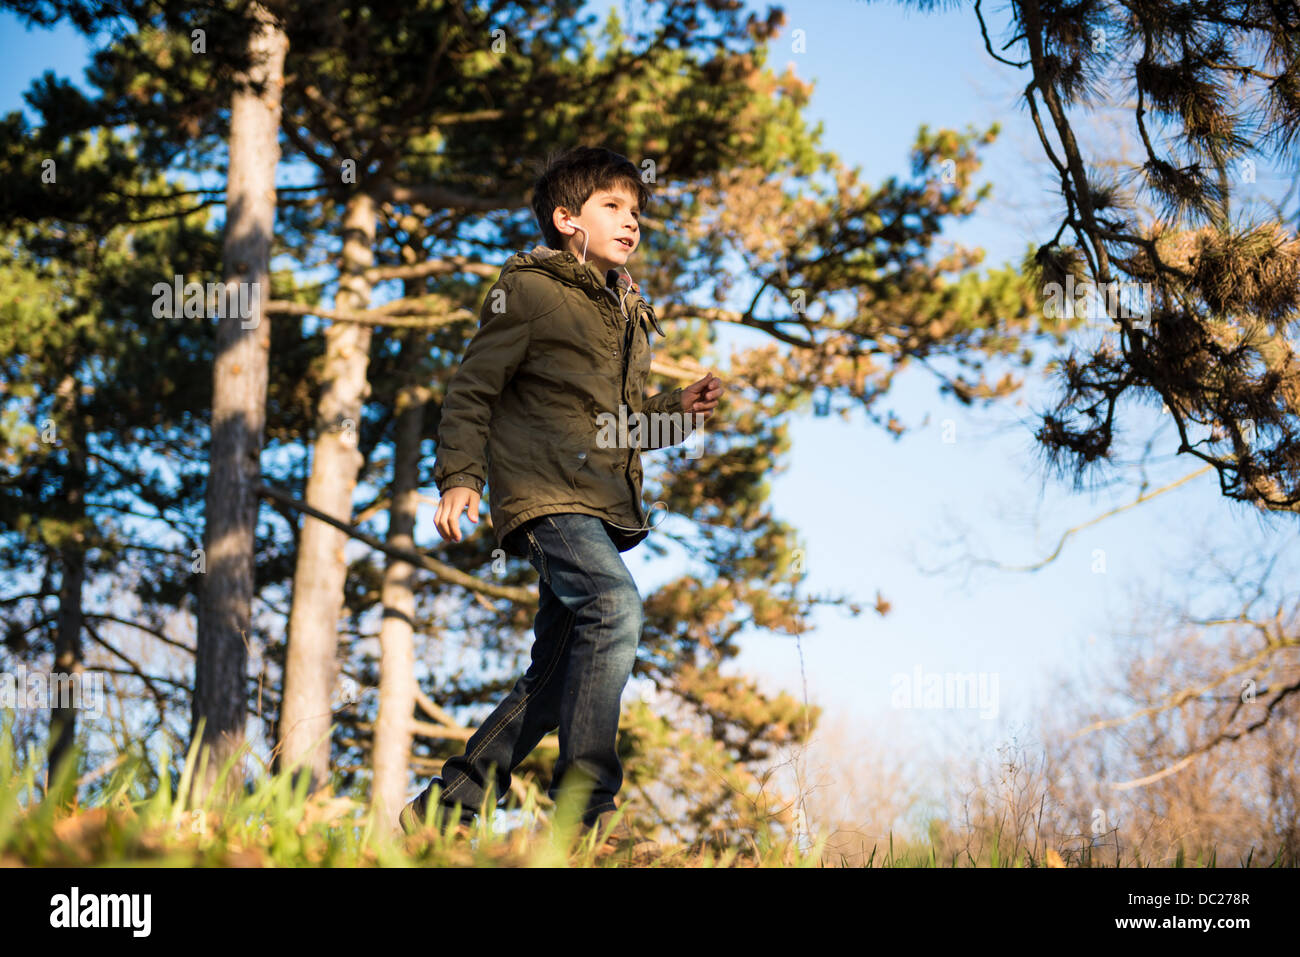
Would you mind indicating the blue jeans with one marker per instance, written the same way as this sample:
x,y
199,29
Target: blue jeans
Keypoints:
x,y
587,628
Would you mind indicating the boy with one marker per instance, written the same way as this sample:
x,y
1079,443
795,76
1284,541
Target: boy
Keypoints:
x,y
563,344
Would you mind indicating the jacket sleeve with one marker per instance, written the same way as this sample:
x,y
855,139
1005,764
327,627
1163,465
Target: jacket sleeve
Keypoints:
x,y
670,431
492,357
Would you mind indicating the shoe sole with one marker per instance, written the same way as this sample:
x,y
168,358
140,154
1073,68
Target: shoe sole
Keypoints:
x,y
408,820
411,820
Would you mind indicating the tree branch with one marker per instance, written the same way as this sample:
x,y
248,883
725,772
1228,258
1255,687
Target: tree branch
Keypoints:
x,y
443,571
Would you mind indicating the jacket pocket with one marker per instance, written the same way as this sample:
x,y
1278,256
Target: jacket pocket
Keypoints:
x,y
564,456
576,451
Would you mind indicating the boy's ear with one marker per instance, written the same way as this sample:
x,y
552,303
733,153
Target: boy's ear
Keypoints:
x,y
558,217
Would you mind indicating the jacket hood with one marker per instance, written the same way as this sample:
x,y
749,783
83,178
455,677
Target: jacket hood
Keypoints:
x,y
564,265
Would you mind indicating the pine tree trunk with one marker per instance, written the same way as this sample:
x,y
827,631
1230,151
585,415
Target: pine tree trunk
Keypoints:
x,y
238,407
393,727
68,658
310,663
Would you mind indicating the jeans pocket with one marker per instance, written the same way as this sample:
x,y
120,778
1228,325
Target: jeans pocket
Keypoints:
x,y
537,556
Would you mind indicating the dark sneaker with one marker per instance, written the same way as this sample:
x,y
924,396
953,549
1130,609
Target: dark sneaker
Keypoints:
x,y
618,838
412,816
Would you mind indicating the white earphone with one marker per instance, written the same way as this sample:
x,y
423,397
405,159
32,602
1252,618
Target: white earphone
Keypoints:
x,y
582,258
586,238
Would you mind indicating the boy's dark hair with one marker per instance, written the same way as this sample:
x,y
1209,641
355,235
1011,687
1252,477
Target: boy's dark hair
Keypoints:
x,y
572,176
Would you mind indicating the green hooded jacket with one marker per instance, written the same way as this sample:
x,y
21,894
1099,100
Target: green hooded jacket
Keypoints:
x,y
534,409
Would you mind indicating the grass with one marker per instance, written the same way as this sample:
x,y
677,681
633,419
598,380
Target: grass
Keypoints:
x,y
274,823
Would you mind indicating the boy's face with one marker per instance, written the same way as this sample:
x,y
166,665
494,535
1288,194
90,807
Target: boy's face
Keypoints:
x,y
611,218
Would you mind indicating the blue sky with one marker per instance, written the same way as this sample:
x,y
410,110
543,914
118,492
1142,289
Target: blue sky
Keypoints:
x,y
871,509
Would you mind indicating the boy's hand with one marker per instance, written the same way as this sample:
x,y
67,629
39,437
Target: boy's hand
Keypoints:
x,y
702,397
456,500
